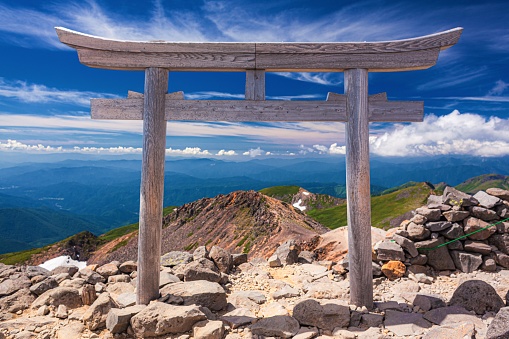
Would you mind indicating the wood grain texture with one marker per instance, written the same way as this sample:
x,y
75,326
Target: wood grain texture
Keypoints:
x,y
358,188
255,84
385,56
334,109
152,185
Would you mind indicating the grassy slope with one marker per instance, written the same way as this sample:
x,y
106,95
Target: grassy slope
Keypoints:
x,y
283,193
483,182
383,208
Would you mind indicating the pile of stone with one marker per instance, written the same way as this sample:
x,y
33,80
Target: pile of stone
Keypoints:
x,y
215,294
454,231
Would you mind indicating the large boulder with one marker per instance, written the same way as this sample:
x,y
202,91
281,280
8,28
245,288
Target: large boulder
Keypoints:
x,y
18,301
477,296
222,258
200,292
417,232
95,316
389,250
9,286
108,270
175,258
43,286
288,252
466,262
498,328
282,326
158,319
324,314
68,296
208,329
438,257
201,269
487,200
454,197
118,319
501,241
472,224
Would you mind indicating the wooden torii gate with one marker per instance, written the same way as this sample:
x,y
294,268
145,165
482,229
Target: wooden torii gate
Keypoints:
x,y
355,108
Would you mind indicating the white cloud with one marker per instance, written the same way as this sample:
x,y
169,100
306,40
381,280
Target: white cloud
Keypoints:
x,y
34,93
330,79
212,94
254,152
499,88
454,76
455,133
187,151
321,148
335,149
226,153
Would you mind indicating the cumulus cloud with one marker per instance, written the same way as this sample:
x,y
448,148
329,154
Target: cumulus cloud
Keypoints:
x,y
455,133
321,148
335,149
254,152
14,145
226,153
35,93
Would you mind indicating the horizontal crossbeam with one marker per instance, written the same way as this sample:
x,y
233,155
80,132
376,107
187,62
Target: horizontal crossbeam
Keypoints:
x,y
386,56
334,109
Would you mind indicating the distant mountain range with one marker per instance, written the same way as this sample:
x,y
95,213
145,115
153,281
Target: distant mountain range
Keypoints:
x,y
64,198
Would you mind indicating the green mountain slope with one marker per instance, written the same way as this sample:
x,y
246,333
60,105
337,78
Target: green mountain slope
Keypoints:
x,y
483,182
384,208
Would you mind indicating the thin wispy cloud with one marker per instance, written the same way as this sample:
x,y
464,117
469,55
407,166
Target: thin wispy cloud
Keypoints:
x,y
329,79
213,95
35,93
453,77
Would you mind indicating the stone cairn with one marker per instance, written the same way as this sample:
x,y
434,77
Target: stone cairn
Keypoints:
x,y
213,294
453,231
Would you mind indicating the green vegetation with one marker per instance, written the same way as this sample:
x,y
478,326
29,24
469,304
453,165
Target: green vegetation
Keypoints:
x,y
21,257
483,182
384,208
283,193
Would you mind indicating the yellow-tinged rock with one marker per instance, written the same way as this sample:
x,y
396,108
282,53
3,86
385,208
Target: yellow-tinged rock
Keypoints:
x,y
393,269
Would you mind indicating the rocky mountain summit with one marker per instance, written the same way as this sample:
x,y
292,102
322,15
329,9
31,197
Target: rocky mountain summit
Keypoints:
x,y
214,294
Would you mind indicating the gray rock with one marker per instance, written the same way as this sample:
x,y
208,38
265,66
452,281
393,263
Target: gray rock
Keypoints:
x,y
239,317
90,276
428,302
125,299
472,224
282,326
417,232
175,258
418,269
306,257
419,219
108,270
309,333
222,258
9,286
499,193
483,213
272,309
201,269
43,286
389,250
18,301
324,314
438,226
286,292
502,259
247,299
453,197
453,216
456,245
118,319
452,331
208,329
466,262
288,252
430,214
435,199
449,315
200,292
438,258
487,200
405,324
166,278
498,328
455,231
489,264
95,316
69,269
325,290
477,247
88,294
158,319
72,330
112,279
61,312
501,241
67,296
128,267
421,259
274,261
239,259
201,252
477,296
372,319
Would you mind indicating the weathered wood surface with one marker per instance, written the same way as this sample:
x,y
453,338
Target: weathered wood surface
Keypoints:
x,y
358,188
152,185
253,110
385,56
255,84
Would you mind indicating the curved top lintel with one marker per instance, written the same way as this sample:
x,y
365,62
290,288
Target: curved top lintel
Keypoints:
x,y
395,55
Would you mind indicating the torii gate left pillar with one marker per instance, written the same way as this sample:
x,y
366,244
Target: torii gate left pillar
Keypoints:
x,y
355,108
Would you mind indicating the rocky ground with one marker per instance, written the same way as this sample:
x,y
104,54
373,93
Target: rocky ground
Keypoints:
x,y
219,295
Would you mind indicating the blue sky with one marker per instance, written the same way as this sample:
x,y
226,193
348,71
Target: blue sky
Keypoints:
x,y
45,91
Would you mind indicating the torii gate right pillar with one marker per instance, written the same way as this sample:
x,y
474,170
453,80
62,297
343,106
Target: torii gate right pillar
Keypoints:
x,y
358,187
